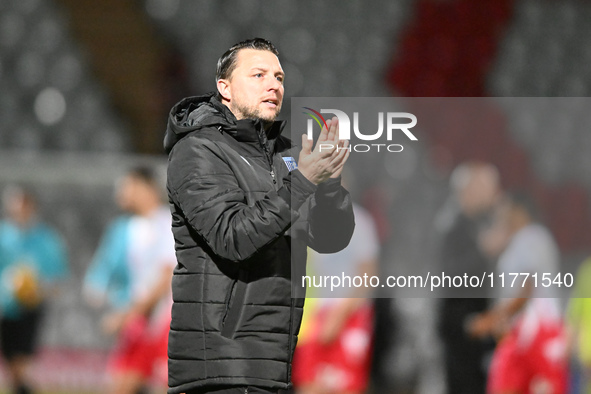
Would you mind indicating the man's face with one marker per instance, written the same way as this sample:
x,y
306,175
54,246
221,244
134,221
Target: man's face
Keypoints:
x,y
132,194
481,192
125,192
19,208
254,90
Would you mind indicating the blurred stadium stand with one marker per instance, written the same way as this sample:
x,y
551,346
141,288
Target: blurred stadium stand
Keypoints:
x,y
128,57
322,43
500,48
50,100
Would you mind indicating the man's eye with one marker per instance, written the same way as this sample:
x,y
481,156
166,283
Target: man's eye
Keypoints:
x,y
259,75
280,79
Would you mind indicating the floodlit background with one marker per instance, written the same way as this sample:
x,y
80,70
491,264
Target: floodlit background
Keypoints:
x,y
85,87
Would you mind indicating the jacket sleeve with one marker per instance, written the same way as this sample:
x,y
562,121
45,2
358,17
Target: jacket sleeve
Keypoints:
x,y
206,190
331,217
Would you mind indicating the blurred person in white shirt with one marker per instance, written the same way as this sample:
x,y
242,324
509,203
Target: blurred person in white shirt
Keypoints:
x,y
132,269
530,356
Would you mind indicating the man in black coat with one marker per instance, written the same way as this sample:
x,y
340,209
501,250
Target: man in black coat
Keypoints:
x,y
243,215
475,190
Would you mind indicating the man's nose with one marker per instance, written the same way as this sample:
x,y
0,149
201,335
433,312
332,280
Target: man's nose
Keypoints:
x,y
274,84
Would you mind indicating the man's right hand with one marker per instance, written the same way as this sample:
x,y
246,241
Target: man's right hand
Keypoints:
x,y
328,157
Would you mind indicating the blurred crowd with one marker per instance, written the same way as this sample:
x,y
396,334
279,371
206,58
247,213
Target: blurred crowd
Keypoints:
x,y
501,339
515,339
129,277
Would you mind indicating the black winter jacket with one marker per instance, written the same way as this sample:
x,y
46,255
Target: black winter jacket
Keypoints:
x,y
241,223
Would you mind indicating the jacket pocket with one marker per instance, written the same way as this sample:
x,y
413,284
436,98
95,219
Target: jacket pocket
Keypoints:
x,y
234,303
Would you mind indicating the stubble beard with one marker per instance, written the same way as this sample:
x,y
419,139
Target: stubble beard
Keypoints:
x,y
253,112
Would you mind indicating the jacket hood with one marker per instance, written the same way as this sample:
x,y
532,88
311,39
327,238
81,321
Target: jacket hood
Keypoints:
x,y
193,113
197,112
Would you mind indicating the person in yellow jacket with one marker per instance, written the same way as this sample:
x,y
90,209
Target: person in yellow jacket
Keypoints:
x,y
578,318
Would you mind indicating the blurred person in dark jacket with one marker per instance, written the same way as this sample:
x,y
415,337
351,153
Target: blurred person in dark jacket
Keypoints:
x,y
474,191
32,262
245,206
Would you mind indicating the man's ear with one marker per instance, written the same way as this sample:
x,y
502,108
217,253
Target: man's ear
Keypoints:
x,y
224,89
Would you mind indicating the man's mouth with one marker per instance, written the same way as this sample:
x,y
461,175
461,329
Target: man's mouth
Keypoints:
x,y
271,103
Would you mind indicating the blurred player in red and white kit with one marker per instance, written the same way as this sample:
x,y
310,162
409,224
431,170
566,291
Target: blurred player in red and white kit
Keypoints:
x,y
132,269
334,350
531,353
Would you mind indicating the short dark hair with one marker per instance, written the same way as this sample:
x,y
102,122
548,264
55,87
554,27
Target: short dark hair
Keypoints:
x,y
227,63
522,199
25,193
145,174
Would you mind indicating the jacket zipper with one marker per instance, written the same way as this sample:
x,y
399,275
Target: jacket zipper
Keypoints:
x,y
289,343
269,159
228,300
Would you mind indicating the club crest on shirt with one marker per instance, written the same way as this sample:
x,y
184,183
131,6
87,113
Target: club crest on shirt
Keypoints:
x,y
290,163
